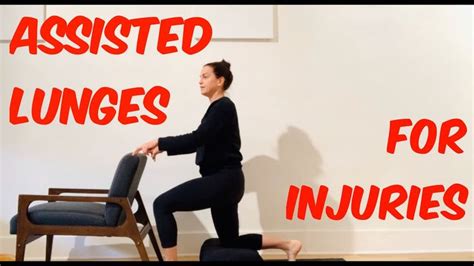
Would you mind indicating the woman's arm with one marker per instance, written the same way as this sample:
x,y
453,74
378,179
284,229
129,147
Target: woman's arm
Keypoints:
x,y
207,131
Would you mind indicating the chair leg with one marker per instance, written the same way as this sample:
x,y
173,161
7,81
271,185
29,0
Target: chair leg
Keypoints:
x,y
142,217
49,247
20,246
155,244
141,248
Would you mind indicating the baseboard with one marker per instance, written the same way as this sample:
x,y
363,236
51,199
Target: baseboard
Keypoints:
x,y
315,242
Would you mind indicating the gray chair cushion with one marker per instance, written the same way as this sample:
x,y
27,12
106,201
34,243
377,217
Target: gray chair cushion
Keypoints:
x,y
124,184
64,213
211,250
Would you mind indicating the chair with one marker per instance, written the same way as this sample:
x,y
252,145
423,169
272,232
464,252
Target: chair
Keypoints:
x,y
87,215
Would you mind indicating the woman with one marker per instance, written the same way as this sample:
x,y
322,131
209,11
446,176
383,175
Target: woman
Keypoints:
x,y
217,145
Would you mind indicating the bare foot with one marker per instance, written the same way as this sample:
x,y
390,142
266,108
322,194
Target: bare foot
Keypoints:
x,y
293,248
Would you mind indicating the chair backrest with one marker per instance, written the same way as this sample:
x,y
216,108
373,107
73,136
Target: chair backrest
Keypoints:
x,y
124,184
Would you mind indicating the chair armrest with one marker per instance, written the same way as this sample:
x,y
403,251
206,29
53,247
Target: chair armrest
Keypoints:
x,y
57,191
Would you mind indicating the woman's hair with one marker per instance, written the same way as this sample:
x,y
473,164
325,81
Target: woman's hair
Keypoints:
x,y
222,69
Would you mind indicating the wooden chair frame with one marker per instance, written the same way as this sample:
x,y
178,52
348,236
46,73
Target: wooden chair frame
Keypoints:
x,y
28,231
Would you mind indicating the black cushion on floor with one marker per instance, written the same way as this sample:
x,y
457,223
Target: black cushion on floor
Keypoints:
x,y
211,250
64,213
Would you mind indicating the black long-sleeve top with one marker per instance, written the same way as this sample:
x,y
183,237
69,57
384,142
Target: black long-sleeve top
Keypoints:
x,y
216,141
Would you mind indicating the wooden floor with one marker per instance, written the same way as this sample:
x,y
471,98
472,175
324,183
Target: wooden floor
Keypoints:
x,y
6,257
468,256
418,257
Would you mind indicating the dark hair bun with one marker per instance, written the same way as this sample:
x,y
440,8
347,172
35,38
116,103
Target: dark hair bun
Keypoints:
x,y
227,64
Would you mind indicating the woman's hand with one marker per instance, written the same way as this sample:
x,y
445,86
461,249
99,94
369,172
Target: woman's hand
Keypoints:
x,y
148,148
153,152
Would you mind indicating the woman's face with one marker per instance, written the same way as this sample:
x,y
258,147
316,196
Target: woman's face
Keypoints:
x,y
209,83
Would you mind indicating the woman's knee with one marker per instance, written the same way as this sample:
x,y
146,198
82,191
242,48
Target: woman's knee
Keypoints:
x,y
161,204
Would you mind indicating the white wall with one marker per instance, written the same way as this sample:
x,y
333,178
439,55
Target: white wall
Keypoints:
x,y
314,107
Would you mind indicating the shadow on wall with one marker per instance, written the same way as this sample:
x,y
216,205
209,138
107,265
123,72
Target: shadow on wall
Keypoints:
x,y
298,163
189,243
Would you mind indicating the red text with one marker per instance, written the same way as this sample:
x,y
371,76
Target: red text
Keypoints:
x,y
102,106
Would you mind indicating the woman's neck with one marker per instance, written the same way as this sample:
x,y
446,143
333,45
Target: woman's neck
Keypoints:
x,y
216,96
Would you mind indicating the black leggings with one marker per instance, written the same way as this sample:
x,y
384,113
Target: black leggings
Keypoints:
x,y
221,192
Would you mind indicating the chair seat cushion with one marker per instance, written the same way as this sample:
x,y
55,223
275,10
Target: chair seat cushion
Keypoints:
x,y
64,213
211,250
